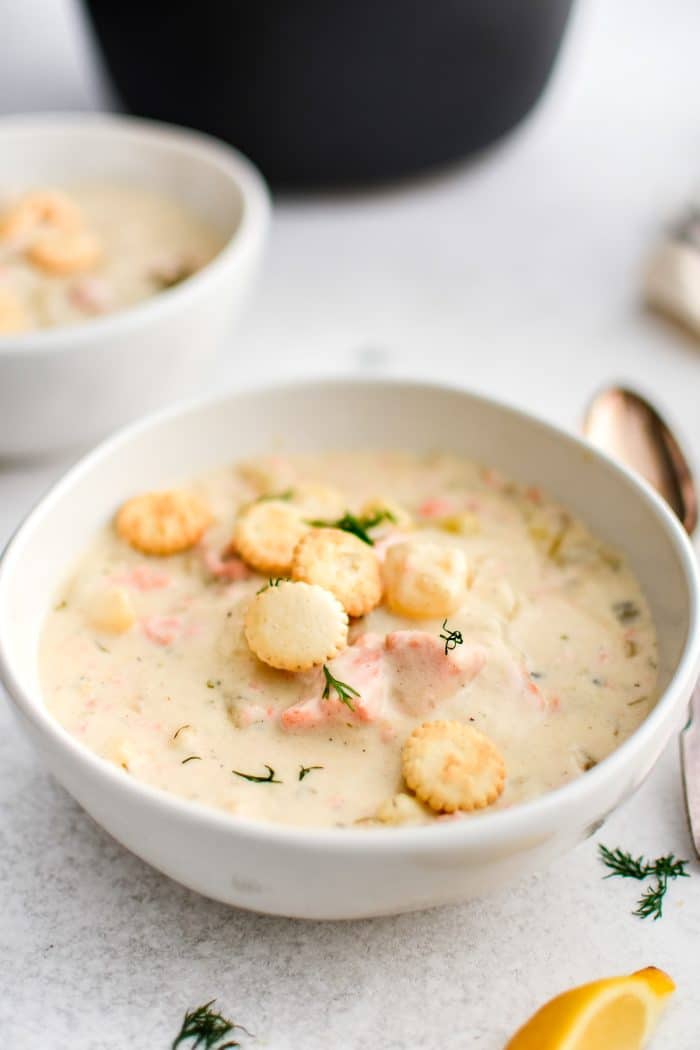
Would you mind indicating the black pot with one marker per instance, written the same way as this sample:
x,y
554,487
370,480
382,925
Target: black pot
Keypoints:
x,y
335,91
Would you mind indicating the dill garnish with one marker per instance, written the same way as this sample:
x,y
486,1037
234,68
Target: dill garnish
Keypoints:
x,y
358,526
451,638
61,605
213,682
343,690
274,581
626,611
305,770
286,495
101,647
178,731
269,779
207,1028
663,869
191,758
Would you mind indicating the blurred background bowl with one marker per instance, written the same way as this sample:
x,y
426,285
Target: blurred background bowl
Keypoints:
x,y
325,92
65,386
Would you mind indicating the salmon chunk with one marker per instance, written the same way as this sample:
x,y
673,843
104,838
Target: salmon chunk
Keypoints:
x,y
407,670
422,675
361,667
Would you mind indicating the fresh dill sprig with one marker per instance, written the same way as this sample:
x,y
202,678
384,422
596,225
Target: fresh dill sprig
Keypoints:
x,y
343,690
622,864
178,731
451,638
274,581
650,904
305,770
207,1028
191,758
662,870
269,779
358,526
670,868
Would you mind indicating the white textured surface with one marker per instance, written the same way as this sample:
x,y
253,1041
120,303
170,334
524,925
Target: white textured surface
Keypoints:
x,y
517,275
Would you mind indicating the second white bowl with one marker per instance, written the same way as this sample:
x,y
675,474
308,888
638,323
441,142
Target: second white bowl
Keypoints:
x,y
65,386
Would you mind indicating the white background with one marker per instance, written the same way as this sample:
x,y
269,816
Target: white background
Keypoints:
x,y
516,274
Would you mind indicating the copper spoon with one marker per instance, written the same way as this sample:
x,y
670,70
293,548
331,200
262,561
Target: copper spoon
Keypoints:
x,y
628,428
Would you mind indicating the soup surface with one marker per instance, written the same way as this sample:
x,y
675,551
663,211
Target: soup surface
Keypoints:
x,y
68,256
506,652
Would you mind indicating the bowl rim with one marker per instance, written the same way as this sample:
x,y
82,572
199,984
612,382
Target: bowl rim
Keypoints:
x,y
483,830
252,226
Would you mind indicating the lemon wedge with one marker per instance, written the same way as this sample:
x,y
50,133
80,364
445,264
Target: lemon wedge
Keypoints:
x,y
616,1013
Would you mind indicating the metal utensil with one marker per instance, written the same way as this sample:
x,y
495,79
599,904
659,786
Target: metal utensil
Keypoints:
x,y
690,764
626,426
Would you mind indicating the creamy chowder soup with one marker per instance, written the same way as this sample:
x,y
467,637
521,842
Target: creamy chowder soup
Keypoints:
x,y
372,638
68,256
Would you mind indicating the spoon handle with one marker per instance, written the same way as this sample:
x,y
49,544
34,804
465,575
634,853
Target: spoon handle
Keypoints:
x,y
690,764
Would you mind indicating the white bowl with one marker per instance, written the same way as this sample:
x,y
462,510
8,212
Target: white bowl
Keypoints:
x,y
63,386
346,873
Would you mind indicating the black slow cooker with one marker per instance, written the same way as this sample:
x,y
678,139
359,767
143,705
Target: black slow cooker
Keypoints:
x,y
335,91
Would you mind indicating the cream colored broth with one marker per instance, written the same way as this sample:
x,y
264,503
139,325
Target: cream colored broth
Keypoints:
x,y
567,670
148,242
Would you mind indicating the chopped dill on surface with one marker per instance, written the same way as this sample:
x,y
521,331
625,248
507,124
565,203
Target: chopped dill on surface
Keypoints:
x,y
191,758
274,581
178,731
305,770
205,1028
357,525
269,779
343,690
451,638
662,870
